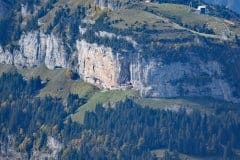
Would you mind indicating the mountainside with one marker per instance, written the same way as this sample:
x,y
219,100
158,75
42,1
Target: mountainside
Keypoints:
x,y
119,79
162,50
40,128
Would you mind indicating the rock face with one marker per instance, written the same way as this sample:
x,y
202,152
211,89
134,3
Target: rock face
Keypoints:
x,y
36,48
5,56
95,64
99,65
168,62
197,78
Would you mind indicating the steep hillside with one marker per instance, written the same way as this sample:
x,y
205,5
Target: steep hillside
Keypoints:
x,y
118,79
38,126
161,50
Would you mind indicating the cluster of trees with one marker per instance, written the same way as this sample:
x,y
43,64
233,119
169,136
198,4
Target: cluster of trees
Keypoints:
x,y
148,129
44,9
237,39
66,25
102,137
223,12
28,118
128,131
95,145
10,27
201,28
32,24
13,86
116,43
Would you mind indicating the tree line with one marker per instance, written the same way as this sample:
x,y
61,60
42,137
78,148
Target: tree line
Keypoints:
x,y
125,131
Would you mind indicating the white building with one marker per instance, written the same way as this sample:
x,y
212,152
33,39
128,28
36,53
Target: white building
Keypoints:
x,y
201,9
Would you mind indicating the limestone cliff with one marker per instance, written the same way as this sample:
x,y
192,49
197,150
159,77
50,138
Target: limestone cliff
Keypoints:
x,y
36,48
97,65
162,59
100,66
197,78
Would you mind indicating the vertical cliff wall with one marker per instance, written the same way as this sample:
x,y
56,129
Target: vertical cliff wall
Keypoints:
x,y
103,67
196,78
97,65
36,48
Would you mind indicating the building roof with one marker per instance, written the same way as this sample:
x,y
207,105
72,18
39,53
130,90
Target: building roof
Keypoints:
x,y
201,7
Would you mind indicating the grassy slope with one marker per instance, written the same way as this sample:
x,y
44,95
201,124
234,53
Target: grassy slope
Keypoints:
x,y
172,16
102,97
204,104
150,14
133,17
59,85
157,16
160,153
183,14
72,4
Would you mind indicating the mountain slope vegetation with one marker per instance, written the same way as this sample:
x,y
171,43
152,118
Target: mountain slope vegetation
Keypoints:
x,y
118,79
30,122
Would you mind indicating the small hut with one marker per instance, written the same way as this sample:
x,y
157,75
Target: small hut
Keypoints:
x,y
201,9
